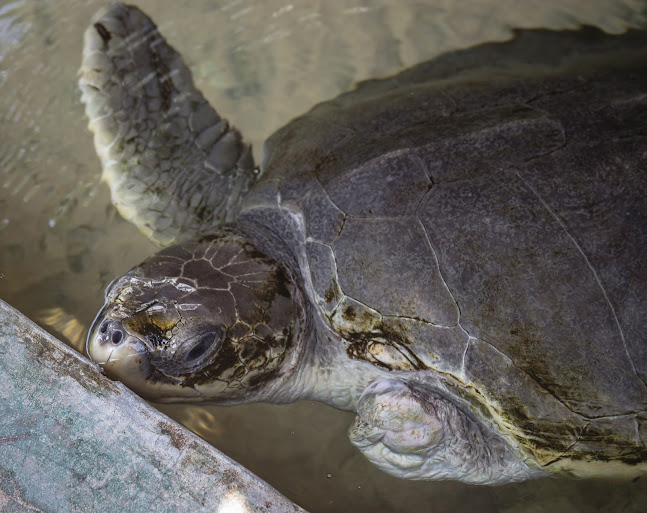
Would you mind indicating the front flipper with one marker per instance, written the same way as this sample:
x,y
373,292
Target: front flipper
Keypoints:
x,y
174,167
414,433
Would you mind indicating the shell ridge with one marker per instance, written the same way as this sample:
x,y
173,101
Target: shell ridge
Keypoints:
x,y
440,272
343,223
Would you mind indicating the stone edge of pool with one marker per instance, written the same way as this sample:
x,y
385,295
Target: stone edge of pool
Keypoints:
x,y
73,440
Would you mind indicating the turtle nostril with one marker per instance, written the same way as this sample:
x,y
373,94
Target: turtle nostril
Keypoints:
x,y
104,327
117,335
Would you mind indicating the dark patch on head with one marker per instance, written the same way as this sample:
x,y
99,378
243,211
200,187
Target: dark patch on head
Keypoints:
x,y
272,341
239,373
255,254
279,285
289,338
142,325
282,283
253,347
153,334
258,380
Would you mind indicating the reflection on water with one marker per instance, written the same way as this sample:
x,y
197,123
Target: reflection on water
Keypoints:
x,y
261,63
12,27
72,330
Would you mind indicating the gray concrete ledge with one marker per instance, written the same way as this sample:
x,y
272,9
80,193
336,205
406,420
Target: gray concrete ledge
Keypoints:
x,y
72,440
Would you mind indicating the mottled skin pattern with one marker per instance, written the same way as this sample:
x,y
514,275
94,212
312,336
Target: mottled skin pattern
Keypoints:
x,y
457,253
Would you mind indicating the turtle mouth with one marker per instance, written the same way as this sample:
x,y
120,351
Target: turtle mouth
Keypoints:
x,y
126,357
109,341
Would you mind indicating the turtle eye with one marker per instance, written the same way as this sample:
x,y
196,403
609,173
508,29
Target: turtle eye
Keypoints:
x,y
206,341
193,354
203,346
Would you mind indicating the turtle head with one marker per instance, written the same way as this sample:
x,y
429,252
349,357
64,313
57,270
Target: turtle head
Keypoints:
x,y
211,320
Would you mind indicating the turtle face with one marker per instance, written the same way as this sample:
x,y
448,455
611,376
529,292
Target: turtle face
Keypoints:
x,y
211,320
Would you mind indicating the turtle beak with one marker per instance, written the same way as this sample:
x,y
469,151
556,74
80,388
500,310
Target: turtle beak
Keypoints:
x,y
119,353
104,337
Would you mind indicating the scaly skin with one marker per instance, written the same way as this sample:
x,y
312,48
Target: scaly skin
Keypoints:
x,y
148,117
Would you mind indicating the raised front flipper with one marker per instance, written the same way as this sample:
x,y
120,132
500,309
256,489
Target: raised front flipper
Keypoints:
x,y
414,433
174,167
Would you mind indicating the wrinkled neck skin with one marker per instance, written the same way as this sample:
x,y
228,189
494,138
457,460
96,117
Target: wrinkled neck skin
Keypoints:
x,y
318,368
326,374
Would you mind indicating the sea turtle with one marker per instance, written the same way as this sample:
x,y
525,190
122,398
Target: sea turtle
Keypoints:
x,y
457,253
